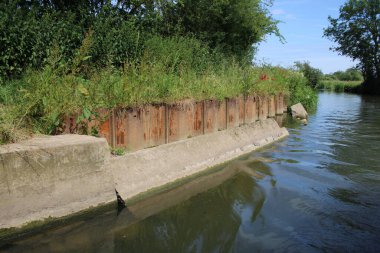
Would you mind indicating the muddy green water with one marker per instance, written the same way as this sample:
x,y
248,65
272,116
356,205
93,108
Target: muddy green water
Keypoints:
x,y
316,191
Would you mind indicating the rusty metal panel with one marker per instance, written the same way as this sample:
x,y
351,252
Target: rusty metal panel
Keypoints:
x,y
69,124
185,120
214,116
97,125
263,107
250,109
271,106
255,108
222,114
174,123
285,103
103,125
134,128
198,119
279,109
241,108
120,127
139,128
279,104
155,128
210,116
232,113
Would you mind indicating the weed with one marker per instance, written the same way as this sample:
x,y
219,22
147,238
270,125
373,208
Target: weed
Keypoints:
x,y
118,151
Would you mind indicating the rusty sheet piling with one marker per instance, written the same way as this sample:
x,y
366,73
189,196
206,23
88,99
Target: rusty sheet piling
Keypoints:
x,y
153,125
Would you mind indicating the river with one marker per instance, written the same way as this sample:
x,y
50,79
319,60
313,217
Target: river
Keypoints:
x,y
316,191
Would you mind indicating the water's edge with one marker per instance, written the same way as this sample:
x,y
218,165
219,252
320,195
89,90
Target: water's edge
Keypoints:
x,y
160,174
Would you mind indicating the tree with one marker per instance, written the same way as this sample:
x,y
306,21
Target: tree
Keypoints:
x,y
357,34
350,74
313,75
233,26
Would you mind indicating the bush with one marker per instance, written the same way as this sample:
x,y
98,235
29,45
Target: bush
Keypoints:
x,y
350,74
28,33
313,75
301,92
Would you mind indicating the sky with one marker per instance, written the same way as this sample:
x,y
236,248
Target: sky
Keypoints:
x,y
302,23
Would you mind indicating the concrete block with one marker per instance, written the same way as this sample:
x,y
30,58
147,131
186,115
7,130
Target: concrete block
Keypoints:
x,y
52,177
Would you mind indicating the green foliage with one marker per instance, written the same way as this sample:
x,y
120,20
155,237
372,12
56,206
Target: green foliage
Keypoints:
x,y
339,86
118,151
313,75
29,30
301,92
356,32
116,39
232,26
170,70
63,57
350,74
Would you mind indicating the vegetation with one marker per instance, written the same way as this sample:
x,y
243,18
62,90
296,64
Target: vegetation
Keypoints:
x,y
30,29
313,75
339,86
350,74
301,91
357,34
118,151
342,81
60,57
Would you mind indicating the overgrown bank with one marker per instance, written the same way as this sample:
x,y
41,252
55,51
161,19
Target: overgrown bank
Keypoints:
x,y
120,58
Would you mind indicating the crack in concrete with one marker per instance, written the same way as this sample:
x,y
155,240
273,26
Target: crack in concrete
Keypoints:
x,y
26,159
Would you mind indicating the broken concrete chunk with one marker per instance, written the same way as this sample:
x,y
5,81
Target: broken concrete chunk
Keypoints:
x,y
298,111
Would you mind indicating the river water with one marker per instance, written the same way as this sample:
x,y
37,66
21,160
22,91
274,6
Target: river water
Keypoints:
x,y
316,191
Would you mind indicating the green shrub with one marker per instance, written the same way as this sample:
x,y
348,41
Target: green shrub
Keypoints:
x,y
301,92
313,75
169,70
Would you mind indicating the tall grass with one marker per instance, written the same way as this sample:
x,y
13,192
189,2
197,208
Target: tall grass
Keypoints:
x,y
339,86
170,70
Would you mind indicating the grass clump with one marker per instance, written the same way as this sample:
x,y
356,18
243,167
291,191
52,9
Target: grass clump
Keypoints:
x,y
118,151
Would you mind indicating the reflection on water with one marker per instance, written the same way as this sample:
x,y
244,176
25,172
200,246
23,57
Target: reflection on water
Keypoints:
x,y
317,191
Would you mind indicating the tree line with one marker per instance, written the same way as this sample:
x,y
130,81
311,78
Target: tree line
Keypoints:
x,y
31,31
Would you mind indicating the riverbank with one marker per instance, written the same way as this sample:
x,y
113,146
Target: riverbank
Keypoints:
x,y
356,87
339,86
330,183
42,100
37,184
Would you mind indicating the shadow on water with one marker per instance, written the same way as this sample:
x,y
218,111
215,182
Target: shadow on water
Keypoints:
x,y
316,191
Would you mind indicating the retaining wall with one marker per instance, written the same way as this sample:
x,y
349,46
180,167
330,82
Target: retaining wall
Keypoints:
x,y
144,170
52,177
154,125
57,176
